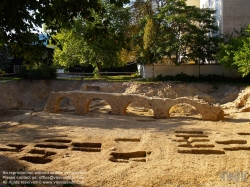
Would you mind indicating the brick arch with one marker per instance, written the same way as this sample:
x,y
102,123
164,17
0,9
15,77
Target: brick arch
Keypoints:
x,y
116,101
208,112
196,105
57,102
91,99
134,98
59,99
125,107
119,102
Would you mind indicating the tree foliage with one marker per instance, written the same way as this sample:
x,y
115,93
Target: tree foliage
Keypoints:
x,y
234,51
96,32
98,42
203,37
227,52
180,32
20,21
149,36
37,72
242,58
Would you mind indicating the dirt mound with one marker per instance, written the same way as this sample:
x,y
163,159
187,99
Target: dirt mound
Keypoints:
x,y
31,94
209,92
241,103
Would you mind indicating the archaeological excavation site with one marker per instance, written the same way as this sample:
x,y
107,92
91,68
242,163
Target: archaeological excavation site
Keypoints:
x,y
128,134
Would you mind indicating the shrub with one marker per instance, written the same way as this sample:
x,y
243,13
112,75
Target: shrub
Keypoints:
x,y
191,78
37,73
159,77
2,71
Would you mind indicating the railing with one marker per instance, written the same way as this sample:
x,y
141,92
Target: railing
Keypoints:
x,y
81,75
102,73
9,75
72,75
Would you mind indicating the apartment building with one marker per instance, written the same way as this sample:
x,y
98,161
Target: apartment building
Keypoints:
x,y
230,14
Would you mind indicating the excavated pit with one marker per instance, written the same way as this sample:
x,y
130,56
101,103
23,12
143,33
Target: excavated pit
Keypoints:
x,y
17,146
9,150
189,132
243,133
128,139
185,145
201,151
55,146
87,144
87,147
237,148
203,145
231,142
36,159
58,140
192,140
187,136
129,155
43,152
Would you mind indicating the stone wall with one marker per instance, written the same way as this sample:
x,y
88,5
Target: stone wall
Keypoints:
x,y
119,102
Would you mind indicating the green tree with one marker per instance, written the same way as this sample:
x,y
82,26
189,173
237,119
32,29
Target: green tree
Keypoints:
x,y
69,48
242,55
149,37
204,38
144,30
234,51
227,51
188,32
175,30
101,49
20,21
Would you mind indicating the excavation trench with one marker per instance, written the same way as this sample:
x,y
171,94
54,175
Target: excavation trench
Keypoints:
x,y
36,159
55,146
58,140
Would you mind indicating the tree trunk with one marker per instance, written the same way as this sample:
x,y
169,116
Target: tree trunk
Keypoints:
x,y
99,68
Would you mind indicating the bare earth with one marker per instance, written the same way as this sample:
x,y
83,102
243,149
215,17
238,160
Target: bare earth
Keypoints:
x,y
101,149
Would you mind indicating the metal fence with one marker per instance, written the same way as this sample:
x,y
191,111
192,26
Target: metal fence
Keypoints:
x,y
8,75
73,75
80,75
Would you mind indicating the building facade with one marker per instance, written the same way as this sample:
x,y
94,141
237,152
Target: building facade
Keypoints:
x,y
193,3
230,14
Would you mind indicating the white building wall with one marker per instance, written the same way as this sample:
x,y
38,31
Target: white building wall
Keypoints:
x,y
150,71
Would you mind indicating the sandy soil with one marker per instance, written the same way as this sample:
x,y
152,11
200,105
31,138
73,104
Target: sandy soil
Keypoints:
x,y
101,149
